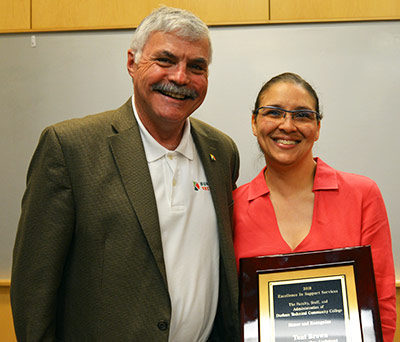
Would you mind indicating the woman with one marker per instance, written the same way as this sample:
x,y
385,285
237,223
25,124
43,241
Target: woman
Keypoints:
x,y
298,203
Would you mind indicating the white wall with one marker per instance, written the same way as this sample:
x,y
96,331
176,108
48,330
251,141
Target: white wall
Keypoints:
x,y
355,68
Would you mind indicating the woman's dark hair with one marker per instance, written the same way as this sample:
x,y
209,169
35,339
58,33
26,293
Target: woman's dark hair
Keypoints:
x,y
292,78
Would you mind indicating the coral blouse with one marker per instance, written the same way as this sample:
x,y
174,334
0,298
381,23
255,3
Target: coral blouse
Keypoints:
x,y
348,211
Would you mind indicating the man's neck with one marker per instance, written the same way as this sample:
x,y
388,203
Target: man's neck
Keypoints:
x,y
168,134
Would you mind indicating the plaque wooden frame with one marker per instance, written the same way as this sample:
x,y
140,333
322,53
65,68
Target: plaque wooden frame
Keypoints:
x,y
354,264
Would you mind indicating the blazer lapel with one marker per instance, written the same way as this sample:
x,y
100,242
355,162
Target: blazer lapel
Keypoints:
x,y
127,148
208,151
211,155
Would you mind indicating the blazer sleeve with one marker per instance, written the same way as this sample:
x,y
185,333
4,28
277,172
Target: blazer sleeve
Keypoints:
x,y
235,165
43,237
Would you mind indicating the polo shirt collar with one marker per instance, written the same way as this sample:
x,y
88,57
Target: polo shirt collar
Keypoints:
x,y
156,151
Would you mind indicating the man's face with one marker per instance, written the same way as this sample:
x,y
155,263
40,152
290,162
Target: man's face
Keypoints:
x,y
170,80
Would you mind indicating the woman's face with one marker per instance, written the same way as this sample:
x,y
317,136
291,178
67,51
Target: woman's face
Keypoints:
x,y
284,142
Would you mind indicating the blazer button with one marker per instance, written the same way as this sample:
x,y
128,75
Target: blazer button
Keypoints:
x,y
162,325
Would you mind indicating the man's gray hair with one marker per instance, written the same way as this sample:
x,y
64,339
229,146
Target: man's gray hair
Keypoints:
x,y
168,19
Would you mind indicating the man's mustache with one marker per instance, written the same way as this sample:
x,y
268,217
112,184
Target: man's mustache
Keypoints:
x,y
175,89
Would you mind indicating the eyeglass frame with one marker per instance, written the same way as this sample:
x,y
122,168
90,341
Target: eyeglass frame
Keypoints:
x,y
318,116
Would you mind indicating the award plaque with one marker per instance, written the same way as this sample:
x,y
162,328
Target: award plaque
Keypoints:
x,y
319,296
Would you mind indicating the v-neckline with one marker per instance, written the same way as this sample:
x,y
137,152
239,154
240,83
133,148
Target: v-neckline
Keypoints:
x,y
296,249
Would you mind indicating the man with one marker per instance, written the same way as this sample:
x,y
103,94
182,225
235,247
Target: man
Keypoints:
x,y
125,231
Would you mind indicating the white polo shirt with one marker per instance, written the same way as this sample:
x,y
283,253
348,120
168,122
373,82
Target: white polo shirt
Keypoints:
x,y
189,234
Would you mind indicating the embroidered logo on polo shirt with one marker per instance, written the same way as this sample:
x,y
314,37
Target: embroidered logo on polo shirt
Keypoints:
x,y
197,186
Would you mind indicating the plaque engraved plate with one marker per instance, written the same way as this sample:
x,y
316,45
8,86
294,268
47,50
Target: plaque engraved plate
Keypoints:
x,y
313,297
303,308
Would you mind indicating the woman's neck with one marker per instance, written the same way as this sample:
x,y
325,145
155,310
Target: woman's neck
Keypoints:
x,y
291,180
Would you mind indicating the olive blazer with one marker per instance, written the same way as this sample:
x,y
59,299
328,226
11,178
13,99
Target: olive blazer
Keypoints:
x,y
88,261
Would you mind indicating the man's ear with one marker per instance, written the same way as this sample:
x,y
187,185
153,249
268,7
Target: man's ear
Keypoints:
x,y
131,65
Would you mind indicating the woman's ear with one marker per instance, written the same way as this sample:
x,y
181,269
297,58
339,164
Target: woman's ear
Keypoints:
x,y
254,124
318,129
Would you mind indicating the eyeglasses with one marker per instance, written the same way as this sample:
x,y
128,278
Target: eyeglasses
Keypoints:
x,y
276,114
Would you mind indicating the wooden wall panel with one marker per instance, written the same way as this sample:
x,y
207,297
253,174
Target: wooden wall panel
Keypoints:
x,y
397,334
330,10
15,15
99,14
71,15
6,323
224,12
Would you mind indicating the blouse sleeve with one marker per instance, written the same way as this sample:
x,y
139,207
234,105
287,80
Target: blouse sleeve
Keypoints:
x,y
376,233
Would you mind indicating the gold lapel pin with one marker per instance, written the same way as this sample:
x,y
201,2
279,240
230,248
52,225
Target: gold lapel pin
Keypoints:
x,y
212,157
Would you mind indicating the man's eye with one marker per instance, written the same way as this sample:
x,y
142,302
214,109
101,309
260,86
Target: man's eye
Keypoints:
x,y
164,61
197,68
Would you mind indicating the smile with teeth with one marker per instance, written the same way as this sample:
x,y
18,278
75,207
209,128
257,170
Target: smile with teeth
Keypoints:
x,y
174,95
286,142
175,91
